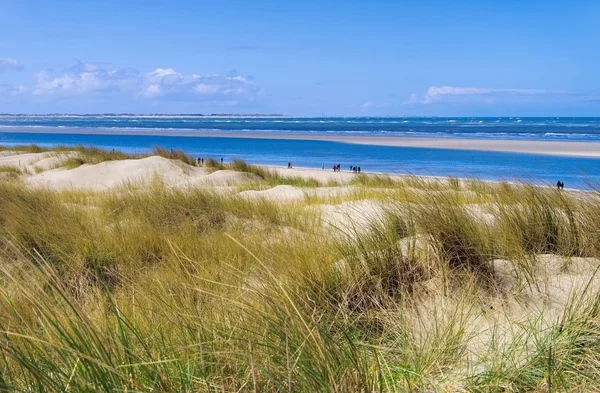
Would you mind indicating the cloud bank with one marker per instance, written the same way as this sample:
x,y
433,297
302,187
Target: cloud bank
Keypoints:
x,y
162,84
437,94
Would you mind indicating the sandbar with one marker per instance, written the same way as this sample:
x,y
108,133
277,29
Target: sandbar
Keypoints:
x,y
555,148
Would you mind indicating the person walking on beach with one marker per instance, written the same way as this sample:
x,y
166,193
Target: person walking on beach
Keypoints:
x,y
358,169
334,167
202,161
339,167
323,166
221,160
199,160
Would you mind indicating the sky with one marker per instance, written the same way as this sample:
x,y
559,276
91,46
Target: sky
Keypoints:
x,y
307,58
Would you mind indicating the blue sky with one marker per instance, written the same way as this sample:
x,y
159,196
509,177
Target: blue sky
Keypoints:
x,y
413,58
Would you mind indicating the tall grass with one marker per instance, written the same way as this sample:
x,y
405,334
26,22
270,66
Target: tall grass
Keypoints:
x,y
93,155
172,290
173,154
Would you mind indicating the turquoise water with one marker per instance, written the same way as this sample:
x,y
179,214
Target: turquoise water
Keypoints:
x,y
574,172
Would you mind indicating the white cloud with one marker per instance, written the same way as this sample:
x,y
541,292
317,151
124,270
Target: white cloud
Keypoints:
x,y
160,84
168,83
86,78
9,64
489,95
367,104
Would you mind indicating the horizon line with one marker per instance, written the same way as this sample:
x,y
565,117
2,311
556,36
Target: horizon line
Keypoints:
x,y
114,114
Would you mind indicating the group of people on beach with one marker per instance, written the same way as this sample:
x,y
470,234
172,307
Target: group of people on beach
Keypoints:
x,y
560,185
338,168
200,161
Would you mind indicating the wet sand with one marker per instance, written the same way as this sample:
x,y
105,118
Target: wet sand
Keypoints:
x,y
556,148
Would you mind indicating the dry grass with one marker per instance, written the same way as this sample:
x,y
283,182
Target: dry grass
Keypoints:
x,y
173,290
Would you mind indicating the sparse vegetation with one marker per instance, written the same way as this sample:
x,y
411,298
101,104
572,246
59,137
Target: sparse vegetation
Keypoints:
x,y
457,286
174,154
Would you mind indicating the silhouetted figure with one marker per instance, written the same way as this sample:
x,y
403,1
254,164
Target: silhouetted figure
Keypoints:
x,y
199,160
560,185
202,161
323,166
221,160
334,168
358,169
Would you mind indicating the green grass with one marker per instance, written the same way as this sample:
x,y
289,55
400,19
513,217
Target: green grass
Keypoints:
x,y
159,289
93,155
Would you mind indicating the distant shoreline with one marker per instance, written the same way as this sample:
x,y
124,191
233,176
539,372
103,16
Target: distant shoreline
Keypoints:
x,y
143,115
553,148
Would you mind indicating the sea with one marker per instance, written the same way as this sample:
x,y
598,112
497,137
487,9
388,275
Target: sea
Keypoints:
x,y
581,173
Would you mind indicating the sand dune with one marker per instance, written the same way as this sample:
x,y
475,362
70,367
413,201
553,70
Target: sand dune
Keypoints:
x,y
112,174
22,160
34,162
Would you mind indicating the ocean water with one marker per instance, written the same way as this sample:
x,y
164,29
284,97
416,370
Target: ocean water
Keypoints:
x,y
582,173
547,128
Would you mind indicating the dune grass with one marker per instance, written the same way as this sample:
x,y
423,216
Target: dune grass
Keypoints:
x,y
172,290
11,171
92,155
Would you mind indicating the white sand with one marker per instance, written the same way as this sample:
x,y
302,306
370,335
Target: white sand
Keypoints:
x,y
22,160
286,193
112,174
323,176
33,162
351,218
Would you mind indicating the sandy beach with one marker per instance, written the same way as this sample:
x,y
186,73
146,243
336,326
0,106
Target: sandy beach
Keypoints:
x,y
555,148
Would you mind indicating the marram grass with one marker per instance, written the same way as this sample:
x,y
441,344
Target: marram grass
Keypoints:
x,y
172,290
